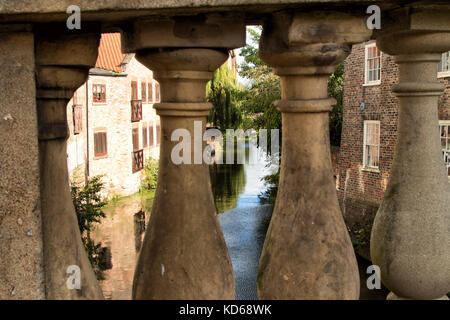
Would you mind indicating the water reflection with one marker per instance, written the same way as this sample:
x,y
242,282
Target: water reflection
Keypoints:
x,y
139,229
121,234
243,220
228,182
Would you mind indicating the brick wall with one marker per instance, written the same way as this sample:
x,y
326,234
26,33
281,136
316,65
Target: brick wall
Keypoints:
x,y
360,191
114,116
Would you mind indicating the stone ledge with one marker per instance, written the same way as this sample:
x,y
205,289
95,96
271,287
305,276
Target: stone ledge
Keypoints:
x,y
114,10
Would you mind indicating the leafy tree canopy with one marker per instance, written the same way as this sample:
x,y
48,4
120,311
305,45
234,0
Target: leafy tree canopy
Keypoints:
x,y
263,87
225,95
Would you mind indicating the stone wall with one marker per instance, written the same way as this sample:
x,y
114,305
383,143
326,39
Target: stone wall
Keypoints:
x,y
114,116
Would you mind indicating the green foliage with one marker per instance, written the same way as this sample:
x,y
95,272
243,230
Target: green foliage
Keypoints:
x,y
88,203
271,182
336,90
228,182
225,96
358,237
262,90
251,52
88,207
150,175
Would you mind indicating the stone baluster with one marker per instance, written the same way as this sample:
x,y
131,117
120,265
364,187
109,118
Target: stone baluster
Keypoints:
x,y
62,65
184,255
21,267
307,253
411,233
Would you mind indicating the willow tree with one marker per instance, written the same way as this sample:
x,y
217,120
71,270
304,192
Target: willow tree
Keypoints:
x,y
224,93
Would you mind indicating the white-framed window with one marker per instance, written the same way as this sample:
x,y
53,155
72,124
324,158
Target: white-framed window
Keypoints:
x,y
444,129
371,152
444,66
372,64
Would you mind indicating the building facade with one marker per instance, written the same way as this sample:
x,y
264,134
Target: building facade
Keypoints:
x,y
114,128
369,132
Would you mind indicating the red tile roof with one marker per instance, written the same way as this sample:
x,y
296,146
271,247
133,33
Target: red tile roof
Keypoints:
x,y
110,54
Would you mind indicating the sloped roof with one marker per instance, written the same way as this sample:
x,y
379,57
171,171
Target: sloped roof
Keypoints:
x,y
110,54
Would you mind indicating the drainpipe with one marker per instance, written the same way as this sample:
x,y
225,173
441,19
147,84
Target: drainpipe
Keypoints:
x,y
86,175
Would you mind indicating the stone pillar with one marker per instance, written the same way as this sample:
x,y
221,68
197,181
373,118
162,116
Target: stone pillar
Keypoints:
x,y
21,267
62,65
307,253
184,255
411,233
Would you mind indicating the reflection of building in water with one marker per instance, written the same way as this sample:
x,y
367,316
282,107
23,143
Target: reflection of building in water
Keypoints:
x,y
105,258
139,229
121,233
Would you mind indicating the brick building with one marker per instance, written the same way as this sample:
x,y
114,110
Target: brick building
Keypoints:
x,y
113,125
370,116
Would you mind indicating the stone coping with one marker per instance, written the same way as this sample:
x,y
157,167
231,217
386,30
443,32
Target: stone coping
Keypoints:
x,y
113,10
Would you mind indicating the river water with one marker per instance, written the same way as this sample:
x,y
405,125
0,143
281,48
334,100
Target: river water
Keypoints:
x,y
244,221
243,218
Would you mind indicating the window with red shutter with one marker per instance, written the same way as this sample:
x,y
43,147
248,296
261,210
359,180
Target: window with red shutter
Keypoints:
x,y
134,90
157,92
144,135
150,92
100,144
99,93
135,136
151,140
158,133
143,92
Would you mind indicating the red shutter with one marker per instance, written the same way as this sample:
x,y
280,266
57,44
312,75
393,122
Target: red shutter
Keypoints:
x,y
143,91
158,133
157,92
151,136
100,144
134,95
144,136
135,134
99,93
150,92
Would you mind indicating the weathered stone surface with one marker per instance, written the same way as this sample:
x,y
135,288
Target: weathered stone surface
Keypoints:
x,y
204,31
326,28
307,253
114,12
184,255
393,296
411,231
21,260
50,6
60,71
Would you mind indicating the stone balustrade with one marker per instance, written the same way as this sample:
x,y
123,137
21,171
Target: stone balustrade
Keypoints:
x,y
307,252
